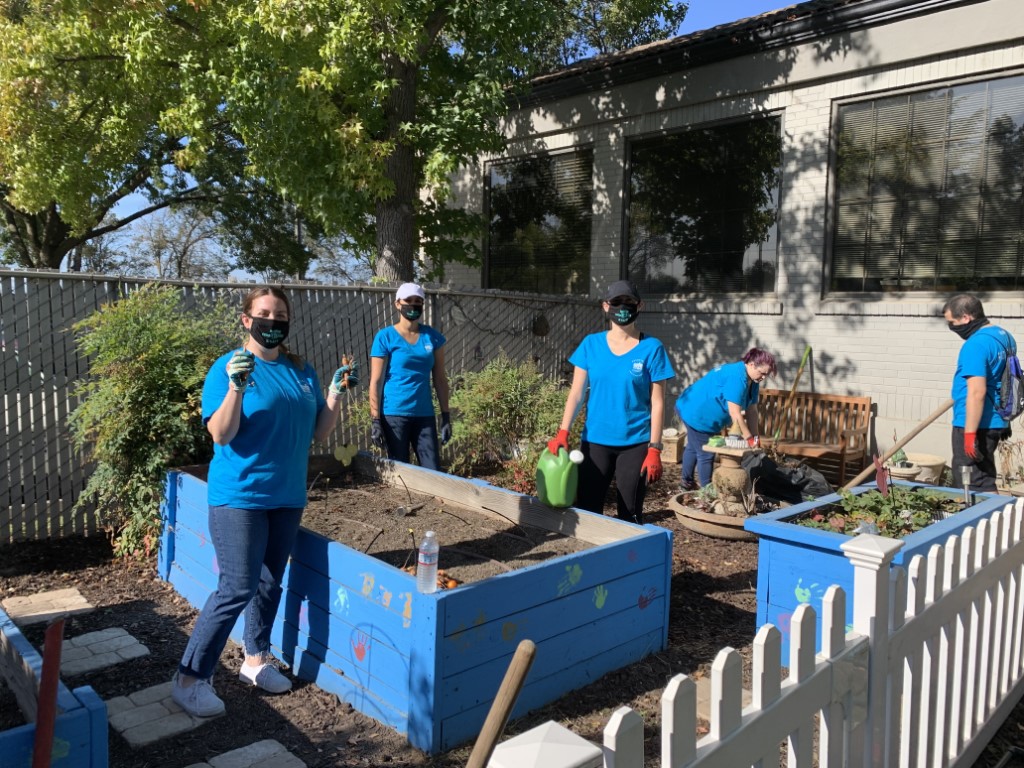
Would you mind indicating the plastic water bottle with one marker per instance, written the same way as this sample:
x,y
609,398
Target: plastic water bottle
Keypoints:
x,y
426,563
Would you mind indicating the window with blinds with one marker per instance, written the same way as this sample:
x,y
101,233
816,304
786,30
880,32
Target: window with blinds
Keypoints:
x,y
539,216
928,190
703,206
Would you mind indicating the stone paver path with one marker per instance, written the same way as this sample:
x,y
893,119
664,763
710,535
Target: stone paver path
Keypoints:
x,y
150,715
97,650
262,754
45,606
144,716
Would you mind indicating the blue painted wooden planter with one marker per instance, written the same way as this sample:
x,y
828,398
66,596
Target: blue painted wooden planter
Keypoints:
x,y
796,564
430,665
80,730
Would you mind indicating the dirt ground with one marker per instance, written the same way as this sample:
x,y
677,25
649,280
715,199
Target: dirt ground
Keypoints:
x,y
712,605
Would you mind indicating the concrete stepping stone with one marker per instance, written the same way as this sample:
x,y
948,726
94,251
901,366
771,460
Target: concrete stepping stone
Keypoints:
x,y
704,698
263,754
150,715
97,650
45,606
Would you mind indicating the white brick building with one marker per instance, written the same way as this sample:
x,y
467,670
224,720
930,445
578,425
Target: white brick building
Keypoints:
x,y
857,264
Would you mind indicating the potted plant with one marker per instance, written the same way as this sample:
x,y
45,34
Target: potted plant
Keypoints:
x,y
799,553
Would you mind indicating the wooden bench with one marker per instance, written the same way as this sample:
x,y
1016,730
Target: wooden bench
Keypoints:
x,y
829,431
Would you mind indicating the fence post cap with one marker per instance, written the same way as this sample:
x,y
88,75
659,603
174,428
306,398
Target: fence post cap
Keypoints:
x,y
870,550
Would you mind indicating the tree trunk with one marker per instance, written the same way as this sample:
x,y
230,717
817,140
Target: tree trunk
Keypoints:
x,y
39,240
396,215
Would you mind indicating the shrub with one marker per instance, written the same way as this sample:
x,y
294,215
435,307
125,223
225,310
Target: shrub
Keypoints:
x,y
140,409
505,413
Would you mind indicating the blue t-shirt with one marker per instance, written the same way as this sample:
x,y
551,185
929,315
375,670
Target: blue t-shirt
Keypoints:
x,y
409,368
264,466
983,354
619,403
704,405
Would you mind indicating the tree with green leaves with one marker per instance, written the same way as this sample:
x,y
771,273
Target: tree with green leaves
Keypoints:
x,y
356,113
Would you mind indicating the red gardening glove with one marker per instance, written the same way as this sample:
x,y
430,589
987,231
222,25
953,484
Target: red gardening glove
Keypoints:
x,y
971,445
561,440
754,441
652,466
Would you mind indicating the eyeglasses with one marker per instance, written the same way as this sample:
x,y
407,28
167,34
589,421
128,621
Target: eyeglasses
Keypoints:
x,y
618,301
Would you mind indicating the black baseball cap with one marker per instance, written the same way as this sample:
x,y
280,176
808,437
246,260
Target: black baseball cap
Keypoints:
x,y
622,288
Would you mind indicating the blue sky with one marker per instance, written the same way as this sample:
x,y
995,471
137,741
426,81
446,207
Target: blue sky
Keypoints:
x,y
703,14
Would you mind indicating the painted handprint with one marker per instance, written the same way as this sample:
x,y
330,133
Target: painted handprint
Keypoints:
x,y
573,574
360,644
600,595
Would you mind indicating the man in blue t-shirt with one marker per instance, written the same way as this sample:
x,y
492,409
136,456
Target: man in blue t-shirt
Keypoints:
x,y
977,427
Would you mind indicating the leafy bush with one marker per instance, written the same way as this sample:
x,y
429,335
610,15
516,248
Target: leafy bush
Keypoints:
x,y
140,409
505,414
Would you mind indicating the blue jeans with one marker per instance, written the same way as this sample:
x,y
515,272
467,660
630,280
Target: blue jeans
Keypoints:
x,y
694,456
418,432
253,547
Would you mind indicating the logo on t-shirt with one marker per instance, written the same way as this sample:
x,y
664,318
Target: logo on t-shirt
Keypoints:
x,y
307,390
637,368
428,346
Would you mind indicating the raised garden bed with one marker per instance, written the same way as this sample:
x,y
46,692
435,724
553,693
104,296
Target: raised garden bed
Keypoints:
x,y
797,564
430,665
80,730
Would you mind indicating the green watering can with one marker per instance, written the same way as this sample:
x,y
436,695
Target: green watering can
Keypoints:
x,y
557,475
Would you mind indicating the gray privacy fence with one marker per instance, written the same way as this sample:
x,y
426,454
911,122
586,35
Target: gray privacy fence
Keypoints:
x,y
41,477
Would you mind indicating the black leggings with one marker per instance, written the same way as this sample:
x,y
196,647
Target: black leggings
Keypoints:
x,y
600,464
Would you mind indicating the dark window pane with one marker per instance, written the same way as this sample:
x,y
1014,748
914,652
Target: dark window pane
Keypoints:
x,y
929,190
539,229
702,210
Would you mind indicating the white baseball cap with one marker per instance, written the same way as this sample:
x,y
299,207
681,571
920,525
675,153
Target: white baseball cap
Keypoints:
x,y
405,290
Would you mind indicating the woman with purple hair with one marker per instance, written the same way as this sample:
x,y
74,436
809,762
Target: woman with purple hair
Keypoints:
x,y
722,397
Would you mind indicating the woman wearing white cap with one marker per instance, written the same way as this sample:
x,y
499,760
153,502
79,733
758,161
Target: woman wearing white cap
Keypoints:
x,y
621,373
406,358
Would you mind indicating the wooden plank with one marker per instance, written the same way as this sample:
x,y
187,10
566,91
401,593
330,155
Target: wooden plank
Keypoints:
x,y
467,645
586,526
581,572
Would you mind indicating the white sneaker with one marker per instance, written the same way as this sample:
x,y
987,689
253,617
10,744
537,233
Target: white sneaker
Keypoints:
x,y
265,676
198,700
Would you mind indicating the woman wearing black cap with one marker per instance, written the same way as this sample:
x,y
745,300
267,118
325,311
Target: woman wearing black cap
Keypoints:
x,y
626,372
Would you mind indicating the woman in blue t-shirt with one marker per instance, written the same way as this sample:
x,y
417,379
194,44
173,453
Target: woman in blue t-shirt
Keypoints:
x,y
726,395
406,357
263,407
626,373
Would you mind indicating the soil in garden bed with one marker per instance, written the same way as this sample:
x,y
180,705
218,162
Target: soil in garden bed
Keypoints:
x,y
389,522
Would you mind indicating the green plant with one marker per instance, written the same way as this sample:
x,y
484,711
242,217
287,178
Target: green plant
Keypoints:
x,y
506,412
140,409
902,511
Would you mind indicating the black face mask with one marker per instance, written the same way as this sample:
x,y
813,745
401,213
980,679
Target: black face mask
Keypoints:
x,y
624,314
966,330
268,333
411,311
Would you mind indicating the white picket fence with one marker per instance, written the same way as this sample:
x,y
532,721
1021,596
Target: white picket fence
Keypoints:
x,y
932,668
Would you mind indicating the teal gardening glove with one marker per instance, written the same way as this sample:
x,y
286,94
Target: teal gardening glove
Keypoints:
x,y
345,377
241,364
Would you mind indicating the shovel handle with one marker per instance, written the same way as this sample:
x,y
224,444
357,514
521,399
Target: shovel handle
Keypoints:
x,y
500,710
900,443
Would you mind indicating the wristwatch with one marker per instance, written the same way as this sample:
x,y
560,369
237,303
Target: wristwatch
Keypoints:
x,y
656,446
